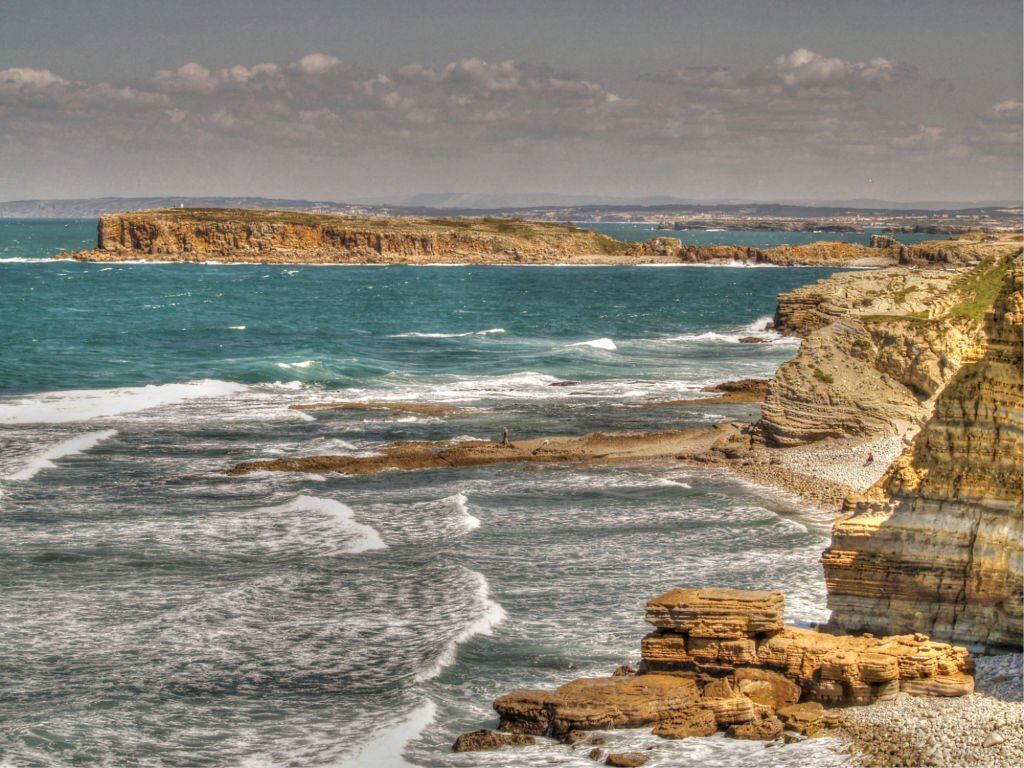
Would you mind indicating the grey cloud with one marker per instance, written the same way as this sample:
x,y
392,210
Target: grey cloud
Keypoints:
x,y
323,110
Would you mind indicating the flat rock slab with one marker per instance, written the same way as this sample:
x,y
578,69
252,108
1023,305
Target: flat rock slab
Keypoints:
x,y
717,612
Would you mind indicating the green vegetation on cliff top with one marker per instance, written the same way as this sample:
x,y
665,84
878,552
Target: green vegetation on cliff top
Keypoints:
x,y
484,227
979,290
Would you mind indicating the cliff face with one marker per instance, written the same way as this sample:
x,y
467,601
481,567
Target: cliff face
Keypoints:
x,y
936,546
877,347
291,237
812,254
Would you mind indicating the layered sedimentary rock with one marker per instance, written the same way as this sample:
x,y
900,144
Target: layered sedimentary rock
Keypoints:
x,y
878,347
936,545
291,237
721,659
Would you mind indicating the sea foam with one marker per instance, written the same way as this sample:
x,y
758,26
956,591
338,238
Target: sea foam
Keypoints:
x,y
70,447
604,343
491,614
363,537
386,748
85,404
418,335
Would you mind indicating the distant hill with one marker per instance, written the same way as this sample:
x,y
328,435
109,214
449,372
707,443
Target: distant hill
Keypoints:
x,y
527,206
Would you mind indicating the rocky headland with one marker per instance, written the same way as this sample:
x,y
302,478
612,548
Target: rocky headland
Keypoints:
x,y
292,237
936,545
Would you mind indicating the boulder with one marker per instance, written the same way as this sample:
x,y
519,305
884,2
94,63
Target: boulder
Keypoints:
x,y
486,739
626,759
763,728
806,718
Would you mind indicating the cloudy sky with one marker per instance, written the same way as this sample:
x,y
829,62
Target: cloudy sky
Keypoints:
x,y
329,99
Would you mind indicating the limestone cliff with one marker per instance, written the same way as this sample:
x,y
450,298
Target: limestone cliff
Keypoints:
x,y
878,346
812,254
227,235
935,546
883,252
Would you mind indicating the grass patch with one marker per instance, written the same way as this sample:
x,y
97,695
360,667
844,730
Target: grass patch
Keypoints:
x,y
979,290
914,317
823,377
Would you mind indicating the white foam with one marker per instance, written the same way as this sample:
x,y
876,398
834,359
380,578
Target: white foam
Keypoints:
x,y
70,447
491,615
418,335
385,749
363,537
30,260
236,327
302,364
603,343
666,483
761,325
460,503
85,404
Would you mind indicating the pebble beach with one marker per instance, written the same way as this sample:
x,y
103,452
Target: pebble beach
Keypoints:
x,y
985,728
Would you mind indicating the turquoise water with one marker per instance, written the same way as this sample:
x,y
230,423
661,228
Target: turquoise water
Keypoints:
x,y
159,613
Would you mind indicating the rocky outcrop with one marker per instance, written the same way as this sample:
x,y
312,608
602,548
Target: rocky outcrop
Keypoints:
x,y
812,254
226,235
721,659
964,250
485,739
878,348
593,448
936,545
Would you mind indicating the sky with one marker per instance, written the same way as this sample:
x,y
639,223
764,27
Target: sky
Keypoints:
x,y
811,100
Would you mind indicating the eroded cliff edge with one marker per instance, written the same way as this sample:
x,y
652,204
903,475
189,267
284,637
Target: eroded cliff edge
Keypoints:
x,y
935,546
877,349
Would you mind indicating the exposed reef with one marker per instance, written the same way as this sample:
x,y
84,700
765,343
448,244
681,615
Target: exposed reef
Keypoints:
x,y
593,448
935,546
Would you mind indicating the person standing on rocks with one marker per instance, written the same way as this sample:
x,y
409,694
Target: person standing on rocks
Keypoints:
x,y
504,436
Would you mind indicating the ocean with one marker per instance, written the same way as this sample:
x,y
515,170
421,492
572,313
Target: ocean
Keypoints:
x,y
159,613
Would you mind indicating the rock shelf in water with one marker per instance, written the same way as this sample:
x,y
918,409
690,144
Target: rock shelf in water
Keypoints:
x,y
722,659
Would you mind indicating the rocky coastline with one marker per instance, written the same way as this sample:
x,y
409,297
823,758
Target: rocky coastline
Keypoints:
x,y
905,406
291,237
